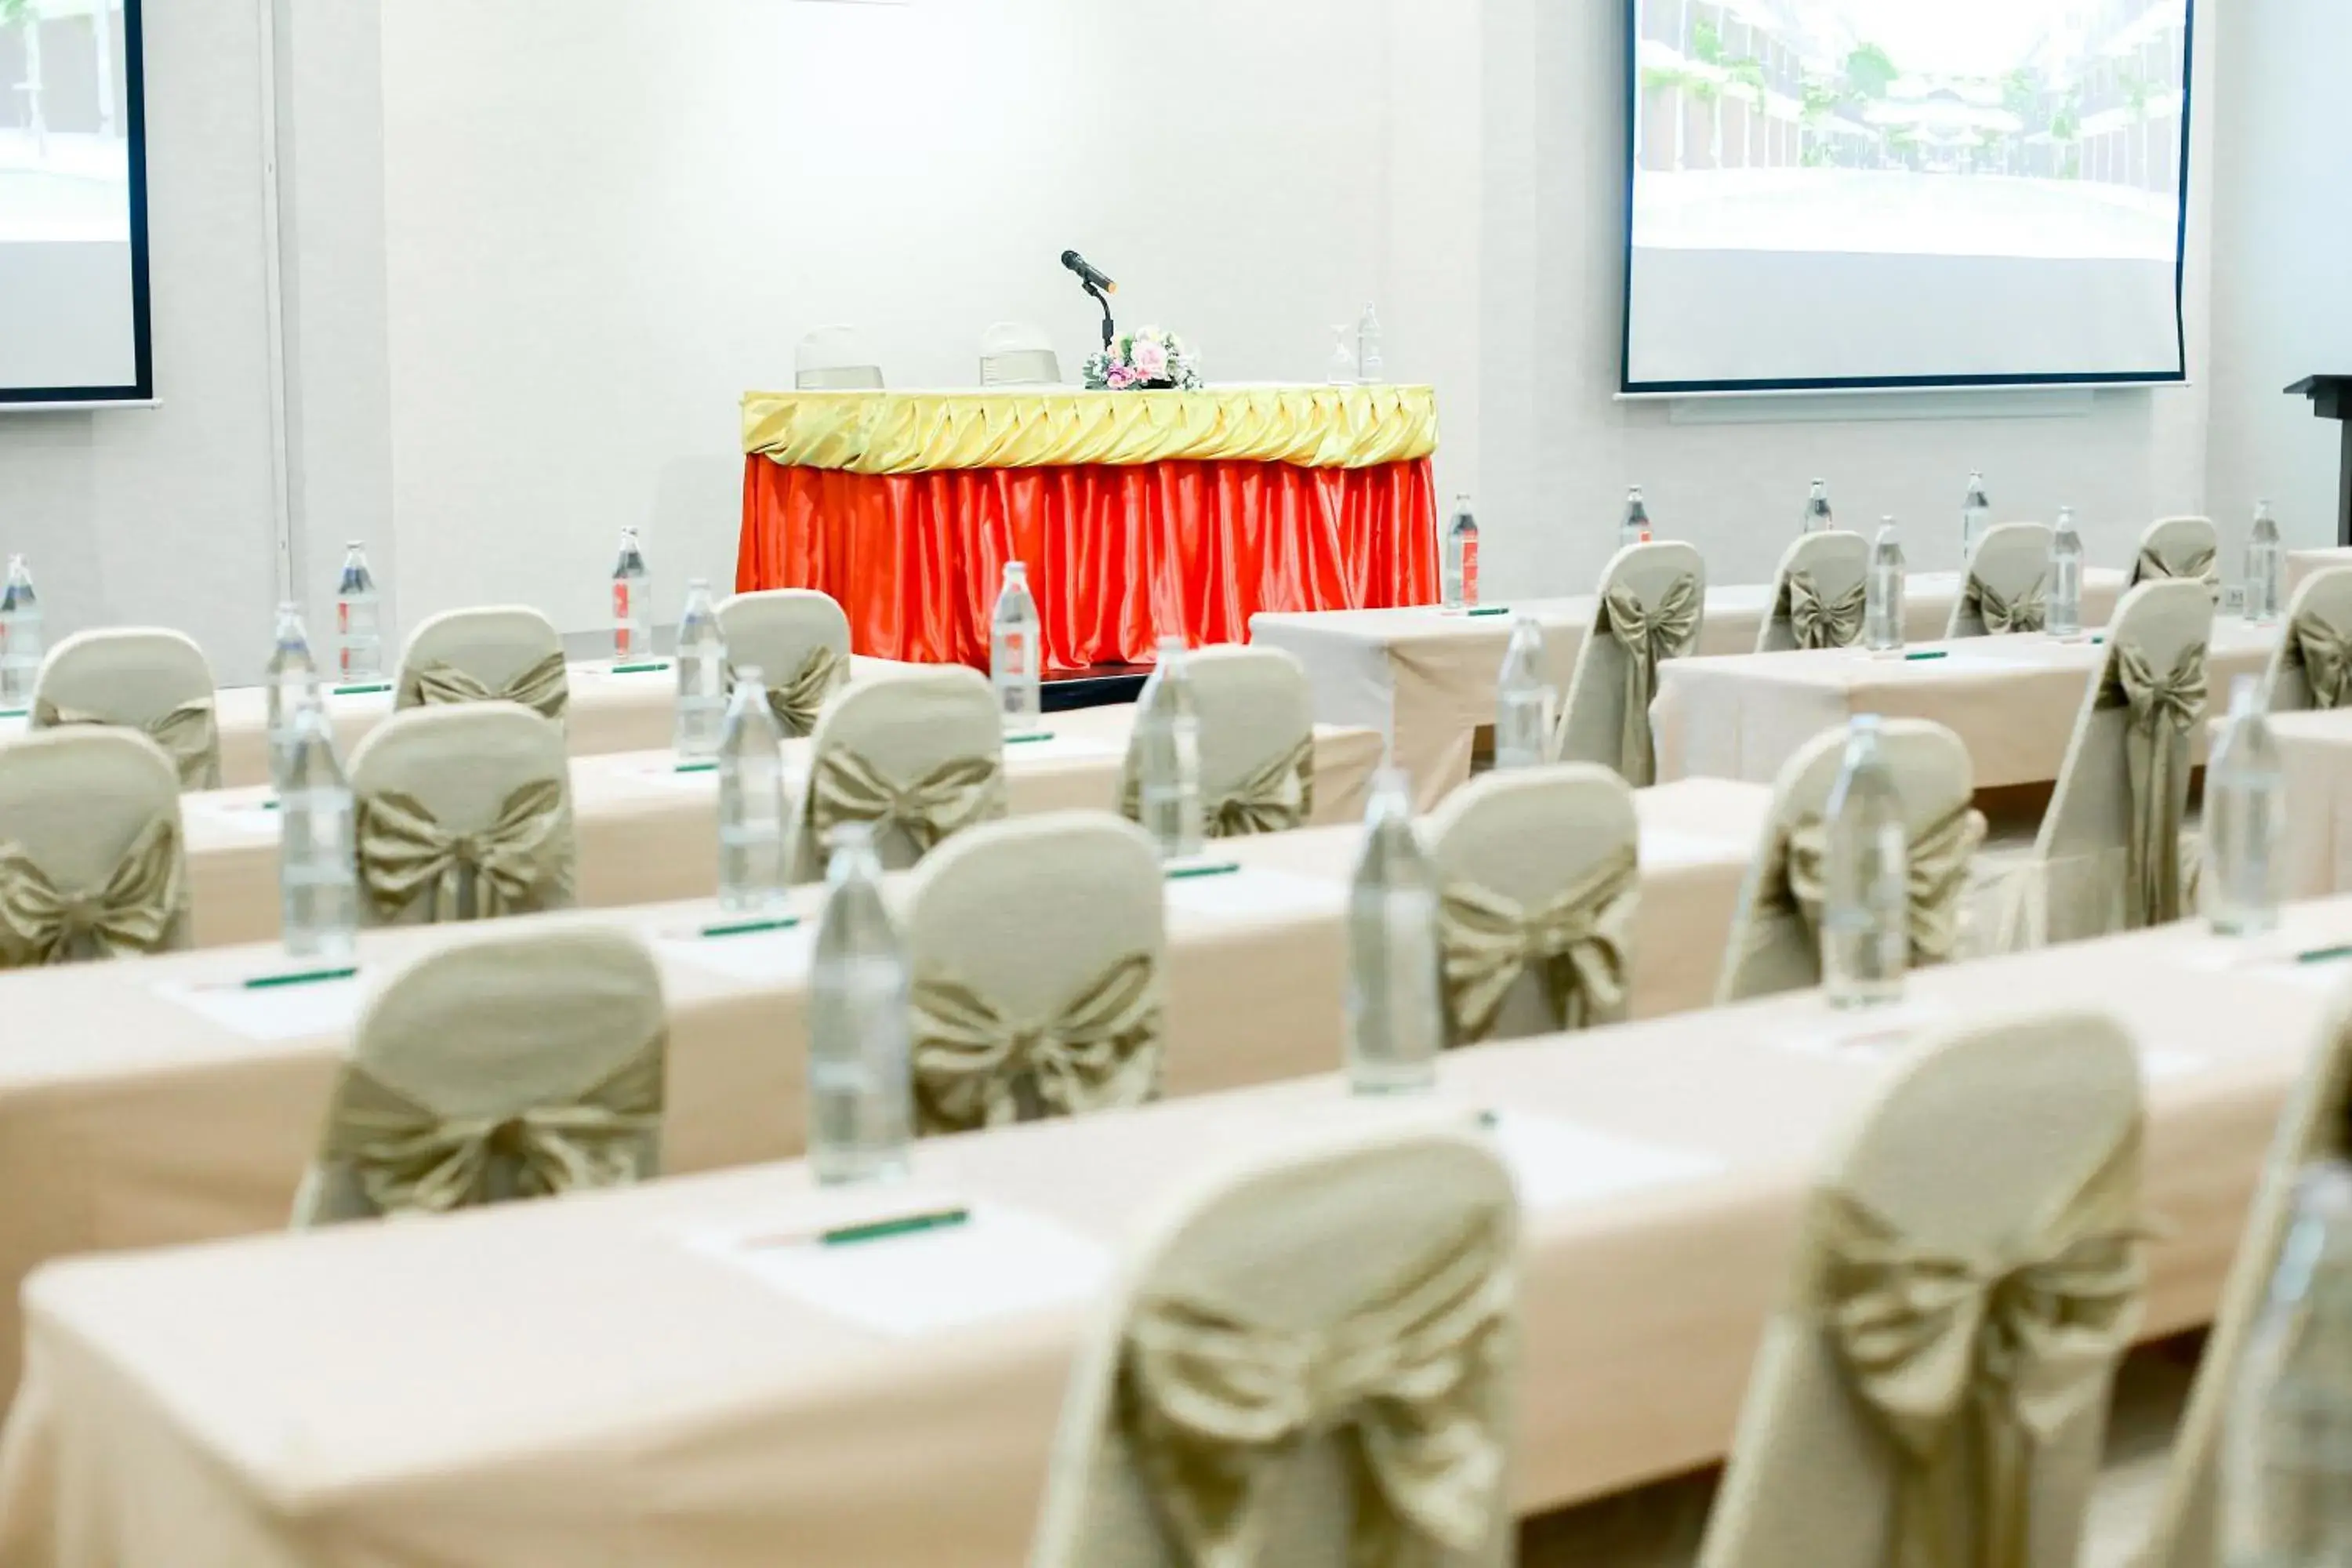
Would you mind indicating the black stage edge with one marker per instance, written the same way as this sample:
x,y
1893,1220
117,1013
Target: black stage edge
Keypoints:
x,y
2328,400
1101,686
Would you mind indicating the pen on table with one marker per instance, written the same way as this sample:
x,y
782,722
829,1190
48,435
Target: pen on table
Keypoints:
x,y
866,1230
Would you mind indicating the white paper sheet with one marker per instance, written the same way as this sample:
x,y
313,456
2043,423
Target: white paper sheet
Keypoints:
x,y
1557,1162
2158,1063
301,1012
663,769
1252,893
1062,748
767,957
1870,1034
1002,1262
254,815
1663,847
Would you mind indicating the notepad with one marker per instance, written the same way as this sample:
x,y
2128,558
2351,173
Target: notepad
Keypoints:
x,y
764,957
1055,746
1002,1262
1863,1034
254,816
1253,893
1558,1163
276,1012
1663,846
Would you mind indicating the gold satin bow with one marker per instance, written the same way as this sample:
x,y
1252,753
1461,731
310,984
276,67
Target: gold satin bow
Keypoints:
x,y
2199,563
845,787
1815,622
1969,1365
1276,798
2029,612
1938,863
1216,1407
2325,656
1577,943
189,735
2156,759
132,914
516,861
543,687
799,700
974,1067
409,1158
1648,634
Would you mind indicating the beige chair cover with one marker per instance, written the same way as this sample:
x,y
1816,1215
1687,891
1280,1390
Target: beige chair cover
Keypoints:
x,y
1539,877
2008,584
464,813
2316,1125
2179,547
1818,594
92,863
1257,713
918,752
1309,1364
832,359
2313,666
513,1065
798,639
2110,855
144,679
1018,353
1037,949
1934,1392
1653,606
1776,931
504,653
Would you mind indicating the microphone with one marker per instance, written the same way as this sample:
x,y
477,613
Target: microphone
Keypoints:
x,y
1088,272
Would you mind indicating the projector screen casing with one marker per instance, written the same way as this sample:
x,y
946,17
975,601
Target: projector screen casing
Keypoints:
x,y
1782,290
71,291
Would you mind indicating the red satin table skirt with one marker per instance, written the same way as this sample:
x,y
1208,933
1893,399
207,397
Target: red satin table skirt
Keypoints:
x,y
1117,556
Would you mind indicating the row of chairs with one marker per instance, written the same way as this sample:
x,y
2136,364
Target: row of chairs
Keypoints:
x,y
1012,354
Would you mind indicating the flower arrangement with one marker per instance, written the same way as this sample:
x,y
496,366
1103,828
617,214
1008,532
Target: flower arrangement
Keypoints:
x,y
1145,361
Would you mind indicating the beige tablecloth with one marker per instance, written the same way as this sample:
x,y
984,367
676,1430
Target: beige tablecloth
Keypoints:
x,y
608,1380
1425,676
649,833
2012,700
128,1118
2302,563
2315,763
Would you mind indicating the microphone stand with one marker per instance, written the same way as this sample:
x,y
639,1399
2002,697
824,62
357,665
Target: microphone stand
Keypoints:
x,y
1109,331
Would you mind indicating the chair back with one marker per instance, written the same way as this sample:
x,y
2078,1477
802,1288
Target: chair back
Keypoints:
x,y
1983,1218
1818,594
1652,607
1776,942
2108,852
2007,586
145,678
2179,547
1038,950
798,639
832,359
504,653
1310,1360
91,860
2311,667
464,813
1018,353
1539,877
514,1066
1257,715
919,754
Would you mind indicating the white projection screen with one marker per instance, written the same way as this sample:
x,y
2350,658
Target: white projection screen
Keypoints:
x,y
1826,194
73,204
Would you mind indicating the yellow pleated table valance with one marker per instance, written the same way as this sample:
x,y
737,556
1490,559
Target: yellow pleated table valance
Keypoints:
x,y
1031,428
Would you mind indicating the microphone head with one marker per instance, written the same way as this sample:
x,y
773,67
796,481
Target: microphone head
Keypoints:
x,y
1072,259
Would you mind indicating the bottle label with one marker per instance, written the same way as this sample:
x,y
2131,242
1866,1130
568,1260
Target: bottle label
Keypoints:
x,y
620,600
343,616
1470,572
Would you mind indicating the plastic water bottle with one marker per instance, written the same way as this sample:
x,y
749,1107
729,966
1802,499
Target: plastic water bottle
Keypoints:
x,y
1396,1017
1017,654
318,845
1881,613
2245,820
359,630
2065,619
2285,1472
1976,511
1167,755
632,607
289,685
21,644
1523,699
753,866
1635,529
1370,366
1458,565
1866,880
1817,517
701,673
860,1095
2265,565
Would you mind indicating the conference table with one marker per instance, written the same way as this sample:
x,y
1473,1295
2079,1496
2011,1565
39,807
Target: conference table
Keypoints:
x,y
164,1100
2302,563
675,1373
2314,752
1426,676
1138,514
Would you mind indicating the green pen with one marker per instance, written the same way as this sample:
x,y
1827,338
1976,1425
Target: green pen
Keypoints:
x,y
883,1229
299,977
363,689
1929,653
1186,873
746,928
14,712
709,765
1032,735
645,668
2324,954
1491,610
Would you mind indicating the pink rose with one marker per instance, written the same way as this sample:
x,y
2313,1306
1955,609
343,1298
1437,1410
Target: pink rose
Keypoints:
x,y
1151,360
1120,378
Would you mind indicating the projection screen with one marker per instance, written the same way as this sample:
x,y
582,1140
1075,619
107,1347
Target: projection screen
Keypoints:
x,y
1827,194
73,207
